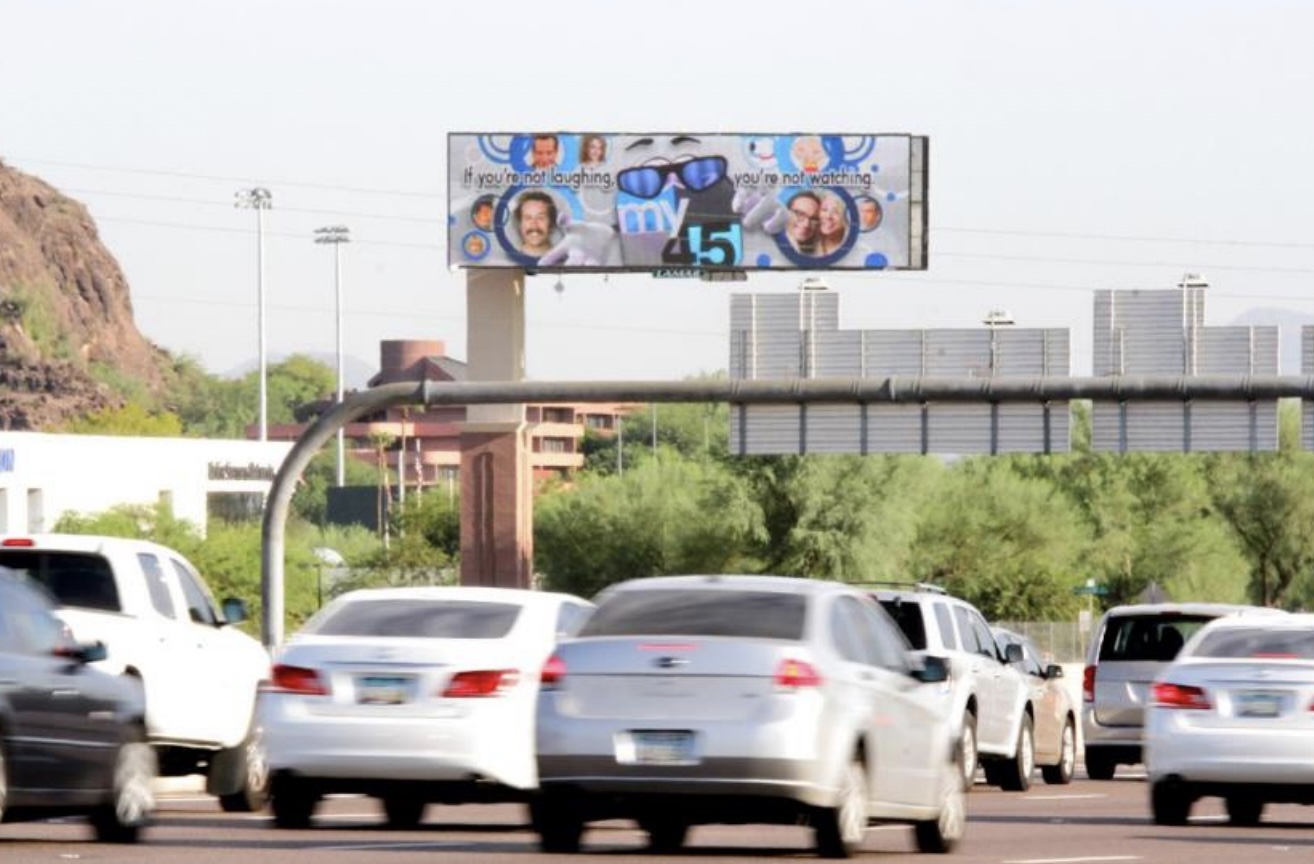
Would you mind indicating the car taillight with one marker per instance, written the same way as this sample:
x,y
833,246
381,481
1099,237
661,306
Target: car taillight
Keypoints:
x,y
1167,695
796,673
485,682
298,679
553,671
18,542
1088,683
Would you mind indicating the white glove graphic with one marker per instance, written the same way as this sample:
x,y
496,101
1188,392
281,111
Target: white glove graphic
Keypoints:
x,y
583,244
760,209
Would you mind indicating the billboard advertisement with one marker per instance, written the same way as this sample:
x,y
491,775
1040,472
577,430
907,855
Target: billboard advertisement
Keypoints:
x,y
675,202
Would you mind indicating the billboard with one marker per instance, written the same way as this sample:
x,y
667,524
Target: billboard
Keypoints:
x,y
675,202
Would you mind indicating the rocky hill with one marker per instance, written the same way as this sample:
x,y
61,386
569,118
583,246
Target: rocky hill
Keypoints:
x,y
68,342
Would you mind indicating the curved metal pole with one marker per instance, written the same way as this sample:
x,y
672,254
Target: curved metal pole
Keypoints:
x,y
910,390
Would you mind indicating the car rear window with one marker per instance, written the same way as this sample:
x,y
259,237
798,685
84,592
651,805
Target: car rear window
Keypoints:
x,y
431,619
1258,643
909,618
1148,637
79,580
688,612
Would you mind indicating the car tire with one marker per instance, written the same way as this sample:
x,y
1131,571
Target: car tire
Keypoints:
x,y
292,801
248,760
968,754
1015,774
666,834
4,777
1060,774
1245,812
841,829
558,823
943,834
1099,766
132,797
1170,803
404,811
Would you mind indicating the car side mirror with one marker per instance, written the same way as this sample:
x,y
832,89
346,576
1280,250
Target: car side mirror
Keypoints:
x,y
1053,670
89,652
930,669
1013,653
234,610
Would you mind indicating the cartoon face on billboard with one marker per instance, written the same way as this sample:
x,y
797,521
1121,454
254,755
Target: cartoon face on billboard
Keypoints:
x,y
635,202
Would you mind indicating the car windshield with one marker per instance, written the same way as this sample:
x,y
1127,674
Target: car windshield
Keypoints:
x,y
409,617
1258,643
685,612
1153,636
77,579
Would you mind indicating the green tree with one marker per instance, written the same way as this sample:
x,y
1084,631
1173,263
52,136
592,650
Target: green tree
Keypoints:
x,y
1010,544
666,515
132,418
1268,501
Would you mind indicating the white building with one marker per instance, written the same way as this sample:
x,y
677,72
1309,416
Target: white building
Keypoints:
x,y
44,476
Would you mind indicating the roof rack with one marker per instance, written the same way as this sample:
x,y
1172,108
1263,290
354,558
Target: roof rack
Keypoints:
x,y
916,586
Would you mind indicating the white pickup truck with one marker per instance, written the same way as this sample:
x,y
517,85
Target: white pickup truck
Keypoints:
x,y
160,624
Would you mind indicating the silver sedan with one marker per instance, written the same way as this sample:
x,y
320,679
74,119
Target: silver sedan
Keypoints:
x,y
1233,717
745,699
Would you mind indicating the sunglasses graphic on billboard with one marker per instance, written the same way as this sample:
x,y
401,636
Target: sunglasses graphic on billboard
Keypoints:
x,y
646,202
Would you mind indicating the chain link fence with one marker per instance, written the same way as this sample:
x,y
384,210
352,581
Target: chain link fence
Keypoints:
x,y
1057,641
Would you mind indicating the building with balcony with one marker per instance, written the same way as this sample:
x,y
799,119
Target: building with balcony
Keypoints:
x,y
422,445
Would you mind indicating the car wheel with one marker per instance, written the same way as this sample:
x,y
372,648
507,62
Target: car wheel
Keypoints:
x,y
1061,773
1244,811
1170,803
1015,774
132,801
253,767
944,832
1099,766
665,833
558,823
403,811
292,800
969,756
841,829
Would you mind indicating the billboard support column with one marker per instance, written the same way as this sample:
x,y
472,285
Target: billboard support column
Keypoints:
x,y
496,479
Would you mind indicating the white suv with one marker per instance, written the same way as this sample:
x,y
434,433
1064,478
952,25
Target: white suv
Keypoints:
x,y
992,697
154,613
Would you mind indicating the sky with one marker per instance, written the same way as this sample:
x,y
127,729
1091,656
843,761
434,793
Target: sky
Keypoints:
x,y
1073,147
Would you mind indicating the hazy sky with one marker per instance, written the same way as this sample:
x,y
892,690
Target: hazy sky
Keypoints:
x,y
1073,146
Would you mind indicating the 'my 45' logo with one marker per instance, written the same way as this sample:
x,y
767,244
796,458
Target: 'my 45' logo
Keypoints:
x,y
716,244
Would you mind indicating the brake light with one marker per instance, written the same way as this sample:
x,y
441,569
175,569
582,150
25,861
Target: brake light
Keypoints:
x,y
796,674
485,682
1088,683
298,679
553,671
24,542
1168,695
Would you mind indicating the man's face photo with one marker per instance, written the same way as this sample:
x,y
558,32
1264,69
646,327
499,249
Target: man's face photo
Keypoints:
x,y
535,226
803,221
545,151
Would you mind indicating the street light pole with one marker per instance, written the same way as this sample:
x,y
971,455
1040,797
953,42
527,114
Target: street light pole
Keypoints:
x,y
259,199
337,235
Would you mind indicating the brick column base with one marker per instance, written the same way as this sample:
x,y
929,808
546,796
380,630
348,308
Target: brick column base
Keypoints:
x,y
497,528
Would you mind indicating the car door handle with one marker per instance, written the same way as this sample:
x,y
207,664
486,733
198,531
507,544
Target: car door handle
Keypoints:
x,y
64,693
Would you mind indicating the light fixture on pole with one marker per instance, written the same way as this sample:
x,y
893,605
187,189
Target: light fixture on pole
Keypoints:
x,y
337,235
994,319
259,200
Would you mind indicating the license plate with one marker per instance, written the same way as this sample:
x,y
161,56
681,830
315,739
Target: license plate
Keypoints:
x,y
383,689
1259,704
658,747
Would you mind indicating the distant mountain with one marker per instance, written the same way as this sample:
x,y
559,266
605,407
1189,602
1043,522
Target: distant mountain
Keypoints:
x,y
1289,322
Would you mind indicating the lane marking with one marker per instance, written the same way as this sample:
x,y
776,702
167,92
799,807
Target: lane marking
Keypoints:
x,y
366,847
1073,860
1072,797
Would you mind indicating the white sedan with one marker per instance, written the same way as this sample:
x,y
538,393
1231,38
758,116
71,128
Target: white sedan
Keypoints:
x,y
1233,717
413,696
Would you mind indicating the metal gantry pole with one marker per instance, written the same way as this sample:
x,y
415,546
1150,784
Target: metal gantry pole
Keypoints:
x,y
337,235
